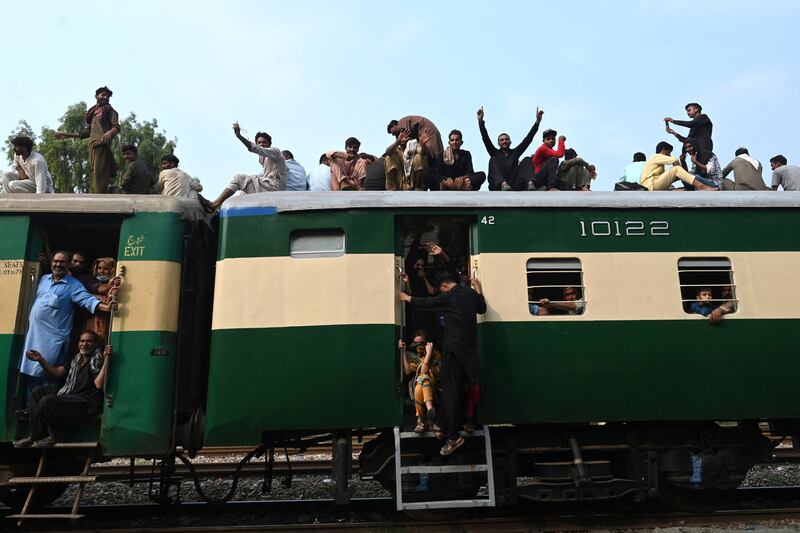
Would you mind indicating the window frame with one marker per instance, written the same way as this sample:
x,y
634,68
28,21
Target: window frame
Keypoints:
x,y
554,269
321,252
708,265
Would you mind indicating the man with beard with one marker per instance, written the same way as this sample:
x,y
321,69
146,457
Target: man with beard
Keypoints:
x,y
79,269
54,412
452,170
460,369
50,320
31,174
101,125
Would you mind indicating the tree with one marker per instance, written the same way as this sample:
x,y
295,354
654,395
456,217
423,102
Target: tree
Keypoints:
x,y
68,160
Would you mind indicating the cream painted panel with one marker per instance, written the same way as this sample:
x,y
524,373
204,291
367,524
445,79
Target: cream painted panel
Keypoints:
x,y
15,293
149,296
269,292
644,286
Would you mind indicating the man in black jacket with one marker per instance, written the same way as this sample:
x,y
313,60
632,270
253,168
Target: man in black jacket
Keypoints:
x,y
452,169
461,369
506,171
700,126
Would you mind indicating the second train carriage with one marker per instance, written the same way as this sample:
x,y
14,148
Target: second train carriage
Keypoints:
x,y
633,395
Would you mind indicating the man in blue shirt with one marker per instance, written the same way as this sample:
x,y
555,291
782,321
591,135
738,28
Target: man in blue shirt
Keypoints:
x,y
296,181
51,318
633,171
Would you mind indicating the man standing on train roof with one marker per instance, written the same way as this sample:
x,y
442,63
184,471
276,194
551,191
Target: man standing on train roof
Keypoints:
x,y
700,126
461,369
30,170
102,124
274,172
50,320
56,411
506,171
422,130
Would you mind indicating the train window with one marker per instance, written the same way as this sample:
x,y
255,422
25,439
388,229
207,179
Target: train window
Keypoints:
x,y
555,287
317,243
711,273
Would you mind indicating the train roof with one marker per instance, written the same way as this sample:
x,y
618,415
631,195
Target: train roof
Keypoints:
x,y
122,204
244,205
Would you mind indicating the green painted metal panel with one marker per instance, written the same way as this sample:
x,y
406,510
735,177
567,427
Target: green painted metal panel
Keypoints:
x,y
151,237
321,377
269,236
647,370
14,242
141,386
638,230
10,349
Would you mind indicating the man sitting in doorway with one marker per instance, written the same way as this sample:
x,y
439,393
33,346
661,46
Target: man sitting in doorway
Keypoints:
x,y
421,360
57,411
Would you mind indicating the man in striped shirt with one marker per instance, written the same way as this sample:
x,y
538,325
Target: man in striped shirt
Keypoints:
x,y
54,412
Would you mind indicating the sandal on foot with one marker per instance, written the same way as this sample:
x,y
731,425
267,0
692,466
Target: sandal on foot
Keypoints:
x,y
420,428
469,428
451,445
438,432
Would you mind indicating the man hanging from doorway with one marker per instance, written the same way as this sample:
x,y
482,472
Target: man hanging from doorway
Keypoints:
x,y
460,368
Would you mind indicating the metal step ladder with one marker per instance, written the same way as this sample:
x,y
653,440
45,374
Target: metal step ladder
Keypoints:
x,y
39,480
401,470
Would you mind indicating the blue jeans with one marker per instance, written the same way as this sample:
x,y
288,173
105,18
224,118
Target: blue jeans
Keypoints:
x,y
706,181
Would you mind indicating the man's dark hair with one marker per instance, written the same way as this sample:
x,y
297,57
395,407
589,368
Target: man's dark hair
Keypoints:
x,y
129,148
549,133
570,153
506,134
741,151
639,156
287,154
267,136
391,125
66,253
779,159
323,158
23,141
79,252
695,104
171,158
701,289
104,89
419,333
444,277
456,132
662,145
352,141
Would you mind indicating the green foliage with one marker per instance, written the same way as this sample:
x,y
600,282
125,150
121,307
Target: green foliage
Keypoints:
x,y
68,159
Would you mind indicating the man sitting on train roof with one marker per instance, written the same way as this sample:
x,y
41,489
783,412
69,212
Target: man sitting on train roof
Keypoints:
x,y
422,130
727,307
573,174
461,368
30,174
506,171
51,318
705,302
421,360
656,178
348,168
746,172
570,305
783,174
296,179
545,162
452,169
705,165
404,162
274,172
632,172
136,177
319,179
700,126
56,411
173,181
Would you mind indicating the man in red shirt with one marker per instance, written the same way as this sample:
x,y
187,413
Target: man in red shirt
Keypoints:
x,y
545,162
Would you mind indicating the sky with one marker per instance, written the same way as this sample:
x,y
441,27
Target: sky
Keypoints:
x,y
315,73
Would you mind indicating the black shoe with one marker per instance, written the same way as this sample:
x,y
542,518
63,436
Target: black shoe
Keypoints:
x,y
46,442
27,442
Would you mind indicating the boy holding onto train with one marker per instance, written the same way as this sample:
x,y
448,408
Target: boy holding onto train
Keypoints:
x,y
422,361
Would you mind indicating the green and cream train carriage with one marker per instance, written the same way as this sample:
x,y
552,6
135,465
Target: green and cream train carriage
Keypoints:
x,y
644,395
160,243
292,339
